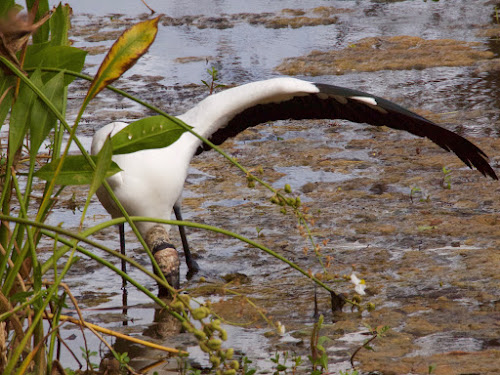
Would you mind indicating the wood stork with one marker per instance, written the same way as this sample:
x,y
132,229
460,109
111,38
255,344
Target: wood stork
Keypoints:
x,y
152,180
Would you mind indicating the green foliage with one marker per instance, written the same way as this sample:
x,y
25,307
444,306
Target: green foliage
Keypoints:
x,y
53,56
75,171
282,365
245,366
417,191
124,359
37,116
214,75
42,34
318,357
447,178
149,132
5,6
375,333
43,121
353,372
87,355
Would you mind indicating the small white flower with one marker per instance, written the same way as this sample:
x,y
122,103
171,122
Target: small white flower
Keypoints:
x,y
359,284
281,328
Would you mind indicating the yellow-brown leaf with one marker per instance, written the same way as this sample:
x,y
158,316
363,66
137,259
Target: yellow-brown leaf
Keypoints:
x,y
124,53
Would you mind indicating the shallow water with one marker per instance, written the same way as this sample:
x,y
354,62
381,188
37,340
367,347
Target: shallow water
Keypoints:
x,y
431,266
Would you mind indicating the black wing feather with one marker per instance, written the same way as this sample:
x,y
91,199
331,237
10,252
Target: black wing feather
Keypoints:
x,y
335,102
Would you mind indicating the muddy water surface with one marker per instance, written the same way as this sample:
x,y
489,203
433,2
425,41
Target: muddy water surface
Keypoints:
x,y
426,242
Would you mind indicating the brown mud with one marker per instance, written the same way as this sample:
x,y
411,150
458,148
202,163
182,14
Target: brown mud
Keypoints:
x,y
381,53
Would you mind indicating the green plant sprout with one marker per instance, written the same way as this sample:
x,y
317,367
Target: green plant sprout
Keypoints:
x,y
318,357
245,366
447,178
87,356
375,333
214,76
414,191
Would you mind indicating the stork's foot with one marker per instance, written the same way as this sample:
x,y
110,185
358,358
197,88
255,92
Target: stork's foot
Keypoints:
x,y
193,268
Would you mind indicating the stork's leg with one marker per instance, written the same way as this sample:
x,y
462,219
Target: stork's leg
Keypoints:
x,y
191,263
121,229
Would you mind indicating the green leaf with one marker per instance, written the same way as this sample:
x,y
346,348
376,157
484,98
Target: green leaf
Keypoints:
x,y
20,297
5,5
60,25
150,132
324,361
103,164
42,34
21,113
62,57
75,171
124,53
7,84
322,340
42,119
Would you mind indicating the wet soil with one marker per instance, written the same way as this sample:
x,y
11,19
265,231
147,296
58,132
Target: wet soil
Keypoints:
x,y
381,53
293,18
426,241
430,261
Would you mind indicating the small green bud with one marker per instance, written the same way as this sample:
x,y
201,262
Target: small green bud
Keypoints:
x,y
356,299
222,354
214,344
200,313
229,353
208,329
223,334
185,298
235,365
283,211
297,202
204,347
370,306
216,323
199,334
214,360
230,372
275,200
177,306
288,188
